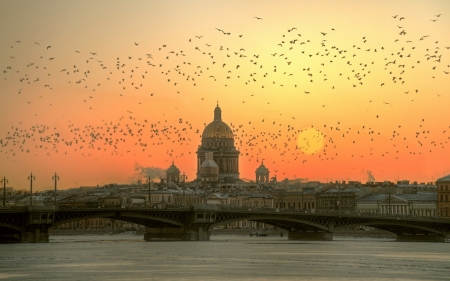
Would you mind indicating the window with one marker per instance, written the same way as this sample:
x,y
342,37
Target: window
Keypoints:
x,y
442,198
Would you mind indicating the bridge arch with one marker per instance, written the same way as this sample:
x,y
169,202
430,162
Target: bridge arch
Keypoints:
x,y
146,218
397,227
9,226
286,222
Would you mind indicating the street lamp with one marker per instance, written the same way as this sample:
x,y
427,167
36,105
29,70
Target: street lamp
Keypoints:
x,y
149,181
184,178
389,200
339,200
31,178
204,189
4,181
55,178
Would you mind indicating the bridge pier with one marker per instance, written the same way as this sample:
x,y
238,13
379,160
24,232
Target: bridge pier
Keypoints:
x,y
35,235
310,236
164,233
420,238
199,234
176,234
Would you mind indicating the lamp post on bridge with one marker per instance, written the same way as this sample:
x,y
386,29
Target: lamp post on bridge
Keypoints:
x,y
389,202
56,179
4,181
31,178
184,178
149,181
204,189
339,200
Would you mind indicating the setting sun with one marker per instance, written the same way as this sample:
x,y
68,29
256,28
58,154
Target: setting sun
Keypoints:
x,y
310,141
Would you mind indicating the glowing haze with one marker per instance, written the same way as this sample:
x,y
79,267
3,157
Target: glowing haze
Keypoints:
x,y
324,90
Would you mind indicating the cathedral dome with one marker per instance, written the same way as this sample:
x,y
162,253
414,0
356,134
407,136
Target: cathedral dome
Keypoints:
x,y
217,128
173,169
262,169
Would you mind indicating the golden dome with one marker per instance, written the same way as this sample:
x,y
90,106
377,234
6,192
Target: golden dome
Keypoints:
x,y
217,128
262,169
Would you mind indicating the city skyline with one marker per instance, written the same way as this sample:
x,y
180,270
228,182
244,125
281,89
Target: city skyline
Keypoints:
x,y
323,90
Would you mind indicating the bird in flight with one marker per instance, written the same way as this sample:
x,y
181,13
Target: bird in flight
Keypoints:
x,y
258,18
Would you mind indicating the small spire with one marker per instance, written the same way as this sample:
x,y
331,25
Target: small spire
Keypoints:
x,y
217,113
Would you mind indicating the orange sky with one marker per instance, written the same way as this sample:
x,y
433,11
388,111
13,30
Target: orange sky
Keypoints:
x,y
76,77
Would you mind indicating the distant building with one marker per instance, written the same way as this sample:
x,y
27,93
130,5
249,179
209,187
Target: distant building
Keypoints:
x,y
343,199
85,189
218,138
399,204
287,184
209,171
9,190
173,174
443,196
262,174
304,199
217,199
79,202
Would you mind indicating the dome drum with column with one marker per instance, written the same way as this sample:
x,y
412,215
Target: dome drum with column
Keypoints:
x,y
218,138
173,174
262,174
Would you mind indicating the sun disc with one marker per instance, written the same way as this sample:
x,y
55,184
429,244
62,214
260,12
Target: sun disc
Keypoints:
x,y
310,141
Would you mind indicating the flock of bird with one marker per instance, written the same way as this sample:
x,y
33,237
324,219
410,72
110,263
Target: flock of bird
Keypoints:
x,y
295,64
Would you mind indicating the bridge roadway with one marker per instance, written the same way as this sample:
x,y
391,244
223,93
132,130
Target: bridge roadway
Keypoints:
x,y
193,223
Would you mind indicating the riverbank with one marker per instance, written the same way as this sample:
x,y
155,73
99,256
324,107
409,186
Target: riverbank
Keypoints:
x,y
279,232
74,232
240,232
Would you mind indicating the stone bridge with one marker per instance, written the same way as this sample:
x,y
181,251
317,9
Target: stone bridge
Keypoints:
x,y
193,223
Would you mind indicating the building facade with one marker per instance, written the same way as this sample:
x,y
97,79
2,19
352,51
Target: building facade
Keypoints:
x,y
443,196
423,205
218,138
336,200
296,200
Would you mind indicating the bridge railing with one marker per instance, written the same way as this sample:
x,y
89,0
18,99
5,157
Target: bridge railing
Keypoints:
x,y
224,207
12,207
227,207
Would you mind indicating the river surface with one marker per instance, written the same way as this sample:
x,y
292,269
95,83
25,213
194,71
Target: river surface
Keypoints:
x,y
225,257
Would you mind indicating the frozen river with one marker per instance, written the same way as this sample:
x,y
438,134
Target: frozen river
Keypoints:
x,y
225,257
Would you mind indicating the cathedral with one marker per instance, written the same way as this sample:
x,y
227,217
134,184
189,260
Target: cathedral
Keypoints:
x,y
218,138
